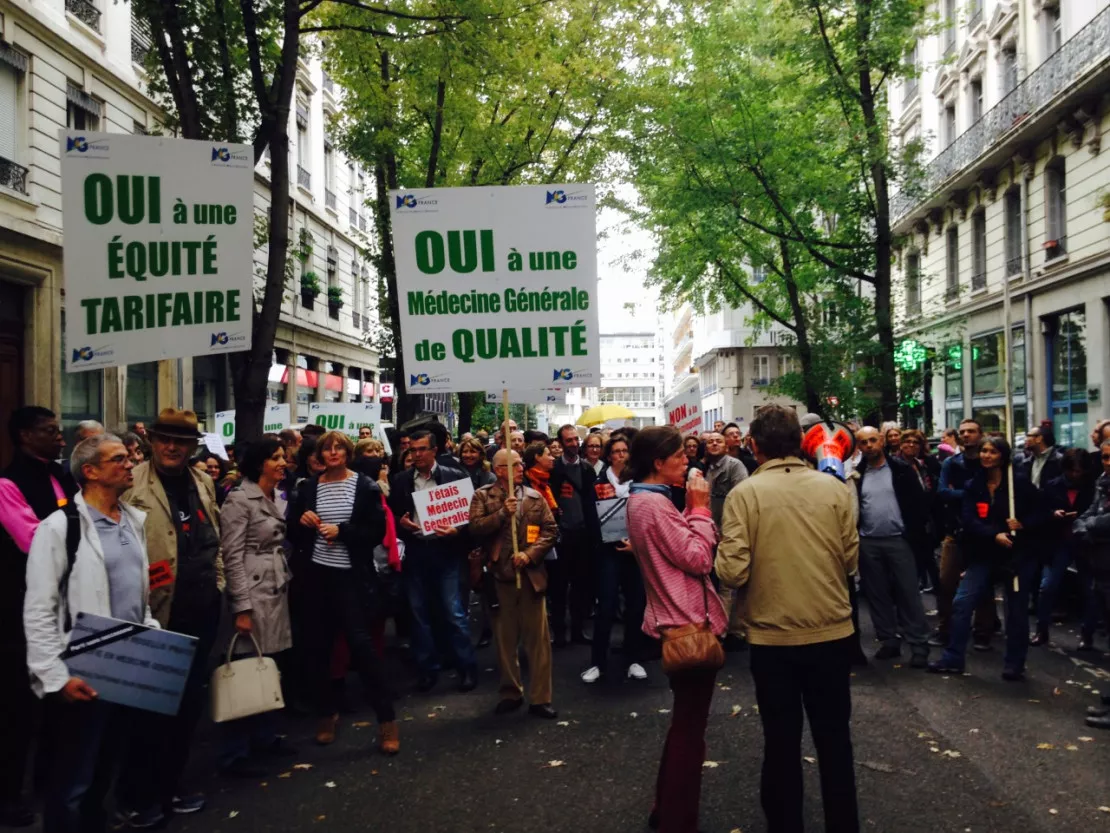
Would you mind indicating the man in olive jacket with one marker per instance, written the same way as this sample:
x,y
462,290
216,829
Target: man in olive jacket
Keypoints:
x,y
522,615
186,587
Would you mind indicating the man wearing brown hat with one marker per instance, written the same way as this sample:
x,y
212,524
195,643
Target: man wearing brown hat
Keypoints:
x,y
186,582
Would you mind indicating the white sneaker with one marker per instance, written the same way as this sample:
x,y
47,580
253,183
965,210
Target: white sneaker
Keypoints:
x,y
636,672
591,675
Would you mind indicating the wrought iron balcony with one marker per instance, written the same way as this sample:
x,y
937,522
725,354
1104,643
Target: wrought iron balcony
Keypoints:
x,y
141,39
304,178
86,12
329,199
1082,53
13,176
1013,265
978,281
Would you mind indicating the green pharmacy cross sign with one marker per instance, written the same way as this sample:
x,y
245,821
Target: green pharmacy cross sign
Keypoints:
x,y
909,355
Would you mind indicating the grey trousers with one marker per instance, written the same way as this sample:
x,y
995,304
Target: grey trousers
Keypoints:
x,y
889,573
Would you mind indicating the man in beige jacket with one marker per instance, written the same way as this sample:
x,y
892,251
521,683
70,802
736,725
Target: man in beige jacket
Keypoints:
x,y
186,586
788,543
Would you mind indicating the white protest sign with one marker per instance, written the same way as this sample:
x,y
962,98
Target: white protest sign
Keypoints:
x,y
349,417
447,504
274,420
684,411
215,444
497,286
613,516
159,248
546,396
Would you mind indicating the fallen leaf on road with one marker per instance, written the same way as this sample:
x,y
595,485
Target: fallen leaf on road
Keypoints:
x,y
973,731
285,775
553,764
951,753
1086,739
302,766
330,785
736,830
264,784
1056,692
1054,812
498,740
233,814
725,688
736,710
809,760
320,818
560,723
408,717
709,765
1045,746
934,749
362,724
878,766
373,772
1104,809
439,708
1071,747
897,666
633,714
432,715
923,735
664,711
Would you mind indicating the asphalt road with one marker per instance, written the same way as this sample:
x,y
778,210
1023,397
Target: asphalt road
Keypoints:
x,y
932,754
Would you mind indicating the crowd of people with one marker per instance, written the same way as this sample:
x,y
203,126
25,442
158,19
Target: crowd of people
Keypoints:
x,y
308,543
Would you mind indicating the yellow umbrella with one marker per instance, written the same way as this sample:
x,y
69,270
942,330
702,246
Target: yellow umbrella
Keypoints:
x,y
603,413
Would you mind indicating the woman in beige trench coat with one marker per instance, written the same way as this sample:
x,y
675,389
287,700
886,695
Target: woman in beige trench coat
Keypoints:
x,y
252,541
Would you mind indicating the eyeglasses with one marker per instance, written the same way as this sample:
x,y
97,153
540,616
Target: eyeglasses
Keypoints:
x,y
415,449
118,459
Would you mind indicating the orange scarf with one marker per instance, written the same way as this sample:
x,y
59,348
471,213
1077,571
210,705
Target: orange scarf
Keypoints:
x,y
540,482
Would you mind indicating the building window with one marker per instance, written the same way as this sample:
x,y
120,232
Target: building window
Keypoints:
x,y
304,151
1009,74
142,392
82,393
1013,225
950,24
954,373
975,98
1055,204
909,86
759,273
913,284
1066,360
979,250
12,174
1053,30
761,370
329,176
82,110
952,264
988,383
949,122
787,365
974,14
86,12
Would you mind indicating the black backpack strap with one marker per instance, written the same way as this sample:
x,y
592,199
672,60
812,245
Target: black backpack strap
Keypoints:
x,y
73,540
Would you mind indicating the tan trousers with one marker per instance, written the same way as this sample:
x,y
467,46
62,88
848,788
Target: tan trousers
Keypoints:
x,y
523,619
734,609
951,568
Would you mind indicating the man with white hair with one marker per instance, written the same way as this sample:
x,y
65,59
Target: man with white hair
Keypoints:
x,y
108,576
86,428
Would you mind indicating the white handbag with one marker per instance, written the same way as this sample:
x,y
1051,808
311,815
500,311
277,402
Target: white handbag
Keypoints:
x,y
246,686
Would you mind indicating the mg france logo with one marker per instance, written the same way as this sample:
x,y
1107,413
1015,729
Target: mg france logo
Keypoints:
x,y
565,374
414,202
224,339
406,201
563,198
83,146
225,157
419,379
87,354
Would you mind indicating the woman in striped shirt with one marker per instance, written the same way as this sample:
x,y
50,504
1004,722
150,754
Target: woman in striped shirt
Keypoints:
x,y
338,521
675,554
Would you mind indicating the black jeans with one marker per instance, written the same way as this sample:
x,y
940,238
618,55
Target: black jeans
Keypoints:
x,y
816,678
571,576
159,751
336,604
19,710
616,572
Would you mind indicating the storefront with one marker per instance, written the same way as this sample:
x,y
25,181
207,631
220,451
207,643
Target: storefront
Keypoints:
x,y
1066,380
988,377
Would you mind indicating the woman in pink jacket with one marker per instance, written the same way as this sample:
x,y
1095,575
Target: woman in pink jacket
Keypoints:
x,y
675,554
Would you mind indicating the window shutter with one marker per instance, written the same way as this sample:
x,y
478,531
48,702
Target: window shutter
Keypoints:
x,y
9,111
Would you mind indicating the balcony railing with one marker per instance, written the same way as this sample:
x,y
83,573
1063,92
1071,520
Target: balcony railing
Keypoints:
x,y
13,176
978,281
329,199
141,40
1081,54
1013,265
304,178
86,12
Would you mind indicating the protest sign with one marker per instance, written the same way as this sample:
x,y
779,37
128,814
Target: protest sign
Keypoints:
x,y
274,420
129,664
613,516
349,417
546,396
497,286
215,445
684,411
159,248
447,504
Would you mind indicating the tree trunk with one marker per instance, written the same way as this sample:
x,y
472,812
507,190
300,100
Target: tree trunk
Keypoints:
x,y
467,401
251,369
814,401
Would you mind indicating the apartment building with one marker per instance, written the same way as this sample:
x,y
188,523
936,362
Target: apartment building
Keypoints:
x,y
76,64
1011,104
630,375
731,364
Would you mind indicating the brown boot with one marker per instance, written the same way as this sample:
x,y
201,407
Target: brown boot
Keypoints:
x,y
325,729
389,738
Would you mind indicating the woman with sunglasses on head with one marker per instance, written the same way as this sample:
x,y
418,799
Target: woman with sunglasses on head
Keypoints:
x,y
997,547
616,571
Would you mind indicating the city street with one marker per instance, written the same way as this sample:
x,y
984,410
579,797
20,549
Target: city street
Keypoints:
x,y
932,754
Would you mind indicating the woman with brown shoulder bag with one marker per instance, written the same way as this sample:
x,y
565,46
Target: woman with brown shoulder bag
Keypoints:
x,y
675,553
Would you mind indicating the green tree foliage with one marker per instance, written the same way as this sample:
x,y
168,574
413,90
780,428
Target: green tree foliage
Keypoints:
x,y
496,92
763,168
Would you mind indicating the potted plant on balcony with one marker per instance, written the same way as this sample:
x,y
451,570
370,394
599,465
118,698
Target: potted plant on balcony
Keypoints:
x,y
1104,201
335,300
310,288
1052,248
